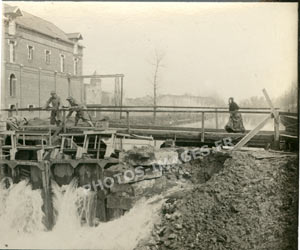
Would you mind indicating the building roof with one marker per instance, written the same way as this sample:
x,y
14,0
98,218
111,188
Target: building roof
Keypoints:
x,y
12,10
74,36
38,24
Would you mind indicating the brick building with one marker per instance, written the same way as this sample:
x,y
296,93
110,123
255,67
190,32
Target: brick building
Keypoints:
x,y
37,57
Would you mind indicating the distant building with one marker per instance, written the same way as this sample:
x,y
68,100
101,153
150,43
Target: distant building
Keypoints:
x,y
94,94
173,100
185,100
93,91
37,57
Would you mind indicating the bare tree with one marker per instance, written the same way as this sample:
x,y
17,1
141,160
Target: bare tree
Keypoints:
x,y
158,64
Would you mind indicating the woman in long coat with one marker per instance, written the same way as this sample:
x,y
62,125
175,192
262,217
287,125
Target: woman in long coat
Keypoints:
x,y
235,123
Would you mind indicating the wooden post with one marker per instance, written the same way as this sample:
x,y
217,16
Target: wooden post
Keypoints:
x,y
64,121
39,91
20,82
69,86
128,122
50,137
217,120
121,101
98,149
276,133
202,128
47,197
55,75
95,142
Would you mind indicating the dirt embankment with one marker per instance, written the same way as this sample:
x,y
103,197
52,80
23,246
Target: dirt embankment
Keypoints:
x,y
250,202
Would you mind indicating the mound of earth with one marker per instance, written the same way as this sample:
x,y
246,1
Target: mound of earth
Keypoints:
x,y
248,201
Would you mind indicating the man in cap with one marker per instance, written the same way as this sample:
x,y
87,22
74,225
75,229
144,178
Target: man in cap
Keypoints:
x,y
14,122
80,113
54,100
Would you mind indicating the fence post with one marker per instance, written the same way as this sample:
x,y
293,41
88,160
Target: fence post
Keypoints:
x,y
47,196
202,128
128,122
217,120
276,132
64,121
121,101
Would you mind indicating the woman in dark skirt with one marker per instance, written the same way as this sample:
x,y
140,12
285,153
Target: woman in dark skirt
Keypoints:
x,y
235,123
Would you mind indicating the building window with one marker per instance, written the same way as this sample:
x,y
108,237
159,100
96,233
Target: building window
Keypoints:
x,y
12,52
12,85
47,56
62,63
76,62
30,52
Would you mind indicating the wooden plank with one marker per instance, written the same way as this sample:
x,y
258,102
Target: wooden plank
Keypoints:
x,y
98,76
289,136
251,134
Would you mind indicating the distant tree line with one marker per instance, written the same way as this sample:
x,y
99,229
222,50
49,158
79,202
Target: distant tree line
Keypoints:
x,y
289,99
286,101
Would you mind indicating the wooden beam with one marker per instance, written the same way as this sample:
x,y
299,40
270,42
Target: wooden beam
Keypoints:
x,y
275,113
251,134
98,76
276,120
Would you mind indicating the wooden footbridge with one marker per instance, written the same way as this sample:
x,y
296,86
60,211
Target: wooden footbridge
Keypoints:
x,y
42,153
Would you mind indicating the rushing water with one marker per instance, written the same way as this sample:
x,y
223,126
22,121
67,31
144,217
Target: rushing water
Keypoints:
x,y
21,220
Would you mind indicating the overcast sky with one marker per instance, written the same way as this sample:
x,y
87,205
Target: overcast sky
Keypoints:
x,y
229,49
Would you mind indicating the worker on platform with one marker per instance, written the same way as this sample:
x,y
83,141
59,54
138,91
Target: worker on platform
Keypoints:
x,y
80,113
235,123
15,122
54,100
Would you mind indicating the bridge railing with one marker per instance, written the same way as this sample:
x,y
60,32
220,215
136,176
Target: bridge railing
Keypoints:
x,y
129,115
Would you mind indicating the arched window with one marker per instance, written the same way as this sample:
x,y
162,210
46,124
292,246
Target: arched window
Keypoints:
x,y
12,85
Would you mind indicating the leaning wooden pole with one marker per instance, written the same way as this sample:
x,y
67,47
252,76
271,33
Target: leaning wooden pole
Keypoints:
x,y
251,134
276,120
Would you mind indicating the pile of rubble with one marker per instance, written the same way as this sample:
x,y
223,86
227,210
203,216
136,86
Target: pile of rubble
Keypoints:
x,y
250,202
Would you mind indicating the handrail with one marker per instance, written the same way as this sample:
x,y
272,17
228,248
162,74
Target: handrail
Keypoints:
x,y
215,110
200,111
172,107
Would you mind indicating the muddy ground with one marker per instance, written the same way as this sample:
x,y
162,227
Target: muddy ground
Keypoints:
x,y
243,200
